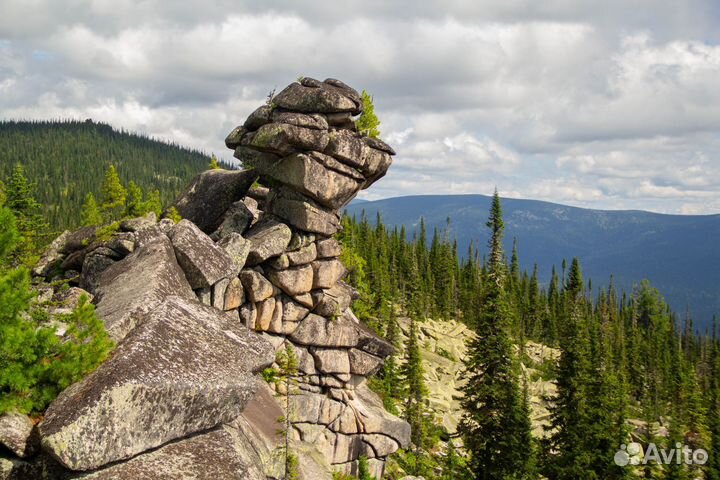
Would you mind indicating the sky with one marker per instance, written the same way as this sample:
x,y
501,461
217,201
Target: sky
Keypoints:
x,y
611,105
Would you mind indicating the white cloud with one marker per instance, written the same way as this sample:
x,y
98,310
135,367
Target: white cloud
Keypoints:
x,y
592,104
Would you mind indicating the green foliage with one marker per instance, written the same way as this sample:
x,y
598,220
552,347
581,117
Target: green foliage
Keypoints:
x,y
173,215
134,206
495,424
20,199
364,469
414,391
368,122
214,165
623,355
114,196
35,364
68,159
90,213
342,476
292,471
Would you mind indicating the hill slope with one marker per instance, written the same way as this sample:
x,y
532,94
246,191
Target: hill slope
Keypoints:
x,y
68,159
678,254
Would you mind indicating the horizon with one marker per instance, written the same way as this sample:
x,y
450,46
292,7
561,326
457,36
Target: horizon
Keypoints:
x,y
610,108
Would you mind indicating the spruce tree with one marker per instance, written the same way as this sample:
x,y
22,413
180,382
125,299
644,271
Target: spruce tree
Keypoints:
x,y
113,196
494,425
415,391
135,206
214,165
90,213
31,225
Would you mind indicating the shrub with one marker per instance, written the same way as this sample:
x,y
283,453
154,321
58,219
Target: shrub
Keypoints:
x,y
36,364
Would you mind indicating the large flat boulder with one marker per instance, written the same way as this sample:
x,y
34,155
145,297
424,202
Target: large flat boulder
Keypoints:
x,y
221,454
209,195
268,238
15,433
203,262
318,331
374,419
186,368
308,174
283,139
300,98
137,284
303,212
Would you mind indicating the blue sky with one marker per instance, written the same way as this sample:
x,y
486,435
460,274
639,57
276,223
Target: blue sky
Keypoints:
x,y
609,104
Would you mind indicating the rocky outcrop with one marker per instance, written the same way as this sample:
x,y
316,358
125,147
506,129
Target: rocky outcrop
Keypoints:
x,y
186,368
199,308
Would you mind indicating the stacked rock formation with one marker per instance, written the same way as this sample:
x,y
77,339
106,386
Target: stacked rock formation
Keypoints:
x,y
199,308
304,144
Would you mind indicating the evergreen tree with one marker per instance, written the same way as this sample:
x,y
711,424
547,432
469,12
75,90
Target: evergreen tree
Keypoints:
x,y
90,213
214,165
113,196
494,425
415,391
35,365
368,122
153,203
173,215
135,207
31,225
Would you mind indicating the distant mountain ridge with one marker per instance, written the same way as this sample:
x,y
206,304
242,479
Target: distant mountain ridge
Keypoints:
x,y
679,254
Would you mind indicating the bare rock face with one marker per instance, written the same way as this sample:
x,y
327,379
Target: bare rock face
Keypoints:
x,y
203,262
16,433
210,194
318,331
137,284
267,239
186,368
322,100
225,453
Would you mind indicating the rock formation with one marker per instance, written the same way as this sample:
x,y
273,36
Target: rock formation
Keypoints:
x,y
199,308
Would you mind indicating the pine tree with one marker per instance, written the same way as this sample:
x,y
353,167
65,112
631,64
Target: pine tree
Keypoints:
x,y
30,223
415,391
90,213
153,203
35,365
288,369
368,122
135,207
214,165
494,425
113,196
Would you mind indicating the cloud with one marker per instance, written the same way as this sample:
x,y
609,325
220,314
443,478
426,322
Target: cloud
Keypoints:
x,y
610,105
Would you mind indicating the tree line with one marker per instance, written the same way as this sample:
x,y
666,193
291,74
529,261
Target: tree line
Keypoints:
x,y
624,355
68,159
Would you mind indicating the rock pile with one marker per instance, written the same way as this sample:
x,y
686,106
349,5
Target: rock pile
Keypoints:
x,y
200,307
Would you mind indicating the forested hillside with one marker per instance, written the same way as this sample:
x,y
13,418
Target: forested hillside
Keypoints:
x,y
67,160
629,366
672,251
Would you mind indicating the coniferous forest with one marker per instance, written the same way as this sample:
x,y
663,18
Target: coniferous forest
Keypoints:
x,y
67,160
624,355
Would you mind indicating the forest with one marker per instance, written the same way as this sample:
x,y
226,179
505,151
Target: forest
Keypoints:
x,y
67,159
624,355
